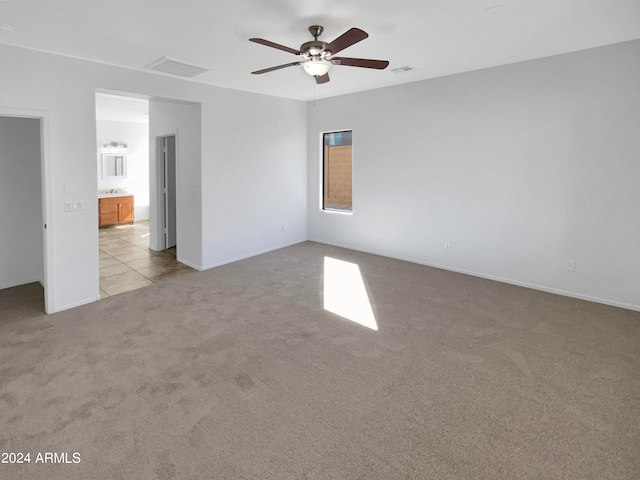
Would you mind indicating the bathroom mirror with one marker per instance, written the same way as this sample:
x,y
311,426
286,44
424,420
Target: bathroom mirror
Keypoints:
x,y
114,165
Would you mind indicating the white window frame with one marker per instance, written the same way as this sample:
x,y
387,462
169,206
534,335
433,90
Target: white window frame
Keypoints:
x,y
321,173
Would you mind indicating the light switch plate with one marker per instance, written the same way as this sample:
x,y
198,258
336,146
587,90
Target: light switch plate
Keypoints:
x,y
73,206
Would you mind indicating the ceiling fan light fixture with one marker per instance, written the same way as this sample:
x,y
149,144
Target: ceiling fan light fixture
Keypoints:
x,y
316,67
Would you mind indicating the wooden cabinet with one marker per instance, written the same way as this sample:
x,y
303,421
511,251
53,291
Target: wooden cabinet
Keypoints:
x,y
115,210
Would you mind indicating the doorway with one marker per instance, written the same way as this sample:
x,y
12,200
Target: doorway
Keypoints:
x,y
172,229
166,148
22,186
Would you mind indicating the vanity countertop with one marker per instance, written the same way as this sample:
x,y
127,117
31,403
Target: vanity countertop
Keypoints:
x,y
119,194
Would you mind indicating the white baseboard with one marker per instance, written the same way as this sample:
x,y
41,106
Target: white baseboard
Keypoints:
x,y
189,264
74,304
12,284
243,257
533,286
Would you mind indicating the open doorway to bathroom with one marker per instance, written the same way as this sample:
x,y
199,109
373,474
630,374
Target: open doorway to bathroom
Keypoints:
x,y
124,202
122,151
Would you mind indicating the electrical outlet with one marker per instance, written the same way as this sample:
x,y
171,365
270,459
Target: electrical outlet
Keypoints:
x,y
447,245
571,265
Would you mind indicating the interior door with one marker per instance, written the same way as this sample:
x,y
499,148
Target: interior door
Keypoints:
x,y
169,154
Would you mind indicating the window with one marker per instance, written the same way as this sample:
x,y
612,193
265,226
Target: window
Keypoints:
x,y
336,162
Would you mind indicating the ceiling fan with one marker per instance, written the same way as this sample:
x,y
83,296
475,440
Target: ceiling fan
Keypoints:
x,y
318,56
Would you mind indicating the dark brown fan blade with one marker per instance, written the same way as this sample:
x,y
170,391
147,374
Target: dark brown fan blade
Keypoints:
x,y
360,62
322,79
258,72
262,41
350,37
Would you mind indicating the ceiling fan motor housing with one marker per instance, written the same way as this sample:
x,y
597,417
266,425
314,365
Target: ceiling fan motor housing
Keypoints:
x,y
313,48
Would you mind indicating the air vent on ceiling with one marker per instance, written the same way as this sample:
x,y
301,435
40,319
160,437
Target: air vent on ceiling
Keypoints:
x,y
404,69
176,67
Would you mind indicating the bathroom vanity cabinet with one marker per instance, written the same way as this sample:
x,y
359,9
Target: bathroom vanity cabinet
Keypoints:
x,y
115,210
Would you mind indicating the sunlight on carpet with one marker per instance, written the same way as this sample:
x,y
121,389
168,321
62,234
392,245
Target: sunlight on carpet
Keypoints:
x,y
345,293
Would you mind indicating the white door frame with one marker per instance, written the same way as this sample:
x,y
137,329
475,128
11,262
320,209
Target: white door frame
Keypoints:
x,y
47,192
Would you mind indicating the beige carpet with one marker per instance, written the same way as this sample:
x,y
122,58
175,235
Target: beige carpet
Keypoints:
x,y
239,373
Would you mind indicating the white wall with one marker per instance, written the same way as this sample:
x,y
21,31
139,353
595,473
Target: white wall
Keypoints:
x,y
259,203
226,227
521,168
21,241
183,121
136,137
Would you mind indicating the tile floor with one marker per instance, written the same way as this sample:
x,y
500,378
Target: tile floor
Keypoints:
x,y
126,263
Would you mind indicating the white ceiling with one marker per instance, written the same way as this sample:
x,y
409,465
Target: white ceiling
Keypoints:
x,y
437,37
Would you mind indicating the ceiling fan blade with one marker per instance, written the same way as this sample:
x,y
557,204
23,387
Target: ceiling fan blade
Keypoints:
x,y
322,79
262,41
360,62
271,69
350,37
